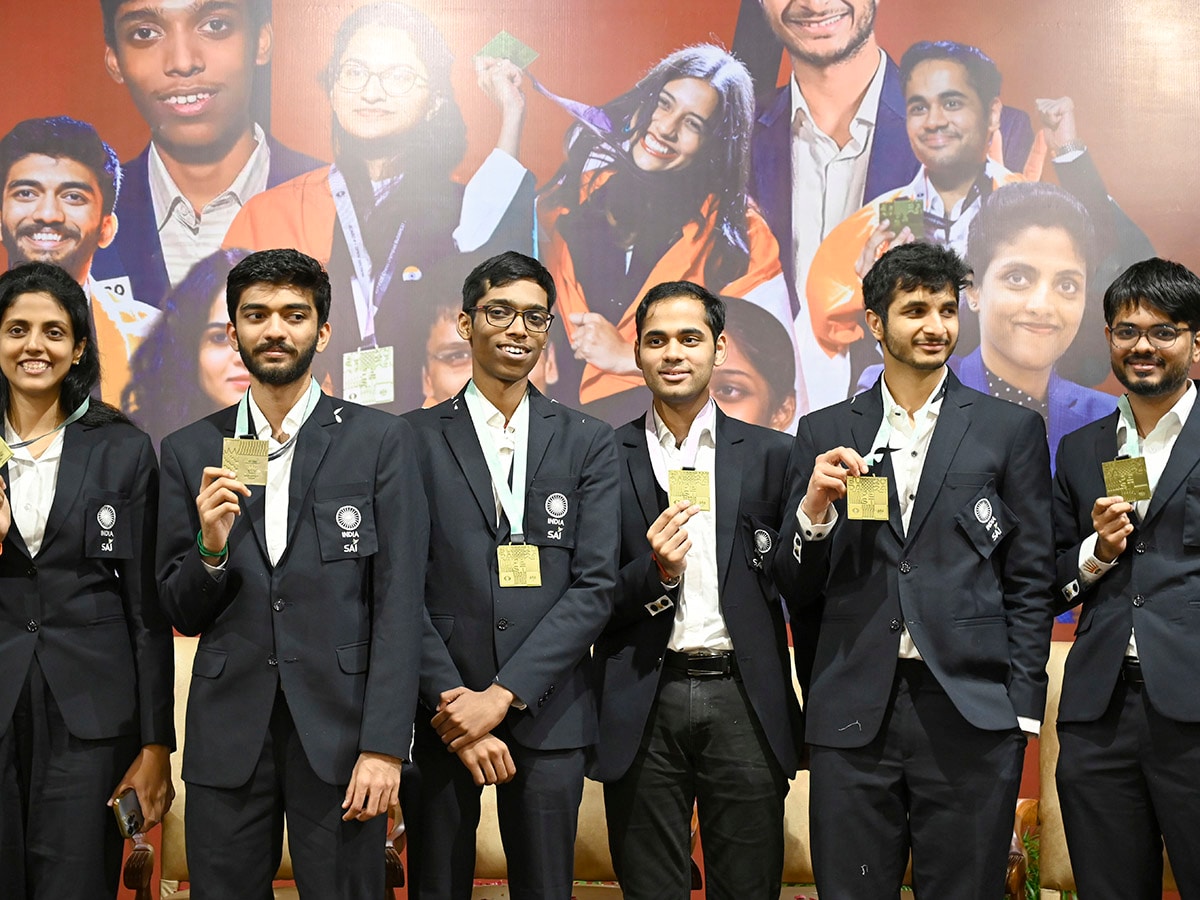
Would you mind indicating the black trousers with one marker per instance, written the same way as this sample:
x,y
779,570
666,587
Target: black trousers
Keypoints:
x,y
538,812
930,782
235,835
1127,781
702,744
58,837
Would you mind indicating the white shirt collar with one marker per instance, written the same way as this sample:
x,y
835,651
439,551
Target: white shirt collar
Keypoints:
x,y
930,408
54,451
252,179
292,422
705,421
868,109
482,409
1173,419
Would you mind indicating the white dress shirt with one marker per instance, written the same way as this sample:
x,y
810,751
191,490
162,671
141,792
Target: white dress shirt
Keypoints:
x,y
699,624
1156,450
31,485
185,236
490,423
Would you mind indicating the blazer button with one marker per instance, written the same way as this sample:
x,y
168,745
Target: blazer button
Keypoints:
x,y
31,625
272,661
1139,600
1140,547
895,625
277,606
905,567
31,571
502,625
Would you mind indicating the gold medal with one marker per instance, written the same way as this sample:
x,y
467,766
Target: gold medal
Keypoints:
x,y
691,485
867,498
519,565
5,452
246,458
1127,478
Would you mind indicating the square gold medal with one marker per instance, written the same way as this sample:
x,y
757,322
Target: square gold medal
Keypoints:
x,y
867,498
519,565
1127,479
246,459
691,485
5,452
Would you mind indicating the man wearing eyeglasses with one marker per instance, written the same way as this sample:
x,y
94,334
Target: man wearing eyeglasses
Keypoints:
x,y
524,502
190,70
1127,522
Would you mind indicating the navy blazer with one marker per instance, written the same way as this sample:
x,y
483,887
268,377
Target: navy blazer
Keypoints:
x,y
336,622
751,464
535,641
1155,588
969,579
136,250
87,604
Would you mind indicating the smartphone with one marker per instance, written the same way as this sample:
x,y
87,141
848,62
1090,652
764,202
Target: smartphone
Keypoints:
x,y
129,814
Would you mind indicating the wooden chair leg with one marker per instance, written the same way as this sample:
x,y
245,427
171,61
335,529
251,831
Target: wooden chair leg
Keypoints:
x,y
139,870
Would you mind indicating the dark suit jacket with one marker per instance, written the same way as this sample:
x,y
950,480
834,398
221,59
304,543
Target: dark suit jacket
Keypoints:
x,y
535,641
87,604
1155,589
136,250
975,600
336,623
751,465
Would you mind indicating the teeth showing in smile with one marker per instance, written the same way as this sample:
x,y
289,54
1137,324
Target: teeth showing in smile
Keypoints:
x,y
515,351
654,145
47,237
34,366
186,99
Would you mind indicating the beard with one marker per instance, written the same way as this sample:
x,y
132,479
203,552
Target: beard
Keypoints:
x,y
858,38
279,374
77,261
1174,376
907,355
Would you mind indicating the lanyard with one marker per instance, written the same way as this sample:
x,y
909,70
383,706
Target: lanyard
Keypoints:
x,y
79,413
512,499
883,437
1133,443
242,427
365,287
981,187
706,418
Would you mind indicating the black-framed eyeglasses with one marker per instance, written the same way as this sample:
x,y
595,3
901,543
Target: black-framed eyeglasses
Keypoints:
x,y
537,320
397,81
1126,337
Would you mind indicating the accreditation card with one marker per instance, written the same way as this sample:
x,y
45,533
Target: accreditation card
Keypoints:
x,y
369,376
519,565
691,485
900,213
246,458
1127,478
867,498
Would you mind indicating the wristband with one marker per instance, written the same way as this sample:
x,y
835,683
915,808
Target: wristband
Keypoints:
x,y
204,551
668,581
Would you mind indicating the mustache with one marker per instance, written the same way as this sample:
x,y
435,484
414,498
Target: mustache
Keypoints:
x,y
267,346
65,230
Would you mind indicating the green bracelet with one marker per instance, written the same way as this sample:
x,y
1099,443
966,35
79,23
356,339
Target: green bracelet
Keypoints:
x,y
204,551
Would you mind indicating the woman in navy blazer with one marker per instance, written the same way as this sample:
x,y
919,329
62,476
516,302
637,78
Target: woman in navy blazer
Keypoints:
x,y
86,664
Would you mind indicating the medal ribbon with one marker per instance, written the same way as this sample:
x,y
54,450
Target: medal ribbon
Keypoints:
x,y
706,418
242,427
512,499
1133,442
79,413
883,437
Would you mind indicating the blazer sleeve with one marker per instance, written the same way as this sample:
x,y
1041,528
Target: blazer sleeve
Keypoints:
x,y
801,582
638,583
1028,566
568,630
149,631
1072,525
191,597
397,596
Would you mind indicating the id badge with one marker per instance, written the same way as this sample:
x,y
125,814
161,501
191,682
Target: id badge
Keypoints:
x,y
369,376
904,212
519,565
5,452
1127,478
867,498
246,458
691,485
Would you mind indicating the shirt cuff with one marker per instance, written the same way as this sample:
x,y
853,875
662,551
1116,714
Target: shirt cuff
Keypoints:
x,y
216,571
486,199
1069,157
809,530
1029,726
517,702
1092,569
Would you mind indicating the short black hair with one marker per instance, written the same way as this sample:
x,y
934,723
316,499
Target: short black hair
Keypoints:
x,y
714,306
504,269
981,71
259,10
281,268
61,137
1158,284
1014,208
766,344
909,267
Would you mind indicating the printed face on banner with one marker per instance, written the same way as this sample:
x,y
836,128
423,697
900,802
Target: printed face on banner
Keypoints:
x,y
222,374
1030,301
742,390
37,345
821,33
52,211
395,95
948,125
447,360
678,126
189,68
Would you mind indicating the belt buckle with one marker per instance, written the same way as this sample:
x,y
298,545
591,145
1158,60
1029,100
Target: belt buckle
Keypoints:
x,y
709,655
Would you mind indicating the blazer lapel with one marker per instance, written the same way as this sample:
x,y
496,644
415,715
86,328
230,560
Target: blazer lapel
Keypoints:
x,y
1180,464
311,445
641,473
729,491
868,414
14,533
464,444
542,425
77,447
953,420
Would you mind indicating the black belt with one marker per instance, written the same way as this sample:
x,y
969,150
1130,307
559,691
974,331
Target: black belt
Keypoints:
x,y
701,663
1131,671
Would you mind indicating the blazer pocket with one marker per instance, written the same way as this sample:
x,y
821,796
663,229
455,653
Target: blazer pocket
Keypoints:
x,y
208,663
346,527
353,658
444,626
1191,513
551,511
107,531
986,520
760,535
